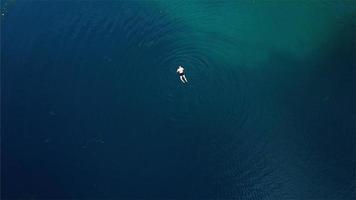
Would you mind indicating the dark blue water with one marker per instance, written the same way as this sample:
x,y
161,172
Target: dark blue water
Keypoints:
x,y
91,105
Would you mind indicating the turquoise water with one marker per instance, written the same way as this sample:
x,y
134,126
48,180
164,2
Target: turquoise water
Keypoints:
x,y
92,106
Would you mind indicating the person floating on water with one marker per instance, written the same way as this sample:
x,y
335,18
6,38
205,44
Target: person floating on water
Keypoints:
x,y
182,77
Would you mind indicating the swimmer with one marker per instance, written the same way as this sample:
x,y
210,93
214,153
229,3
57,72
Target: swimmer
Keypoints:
x,y
182,77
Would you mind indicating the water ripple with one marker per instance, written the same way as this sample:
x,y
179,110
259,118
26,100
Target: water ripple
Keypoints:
x,y
214,102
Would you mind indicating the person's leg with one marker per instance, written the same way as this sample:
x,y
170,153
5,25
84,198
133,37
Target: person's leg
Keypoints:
x,y
181,78
185,78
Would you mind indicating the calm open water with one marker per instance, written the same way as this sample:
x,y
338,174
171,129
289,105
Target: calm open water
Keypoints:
x,y
91,105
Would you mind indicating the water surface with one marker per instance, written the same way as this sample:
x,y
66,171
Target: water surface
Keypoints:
x,y
92,106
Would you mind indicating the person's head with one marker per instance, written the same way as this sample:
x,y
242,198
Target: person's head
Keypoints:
x,y
180,66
